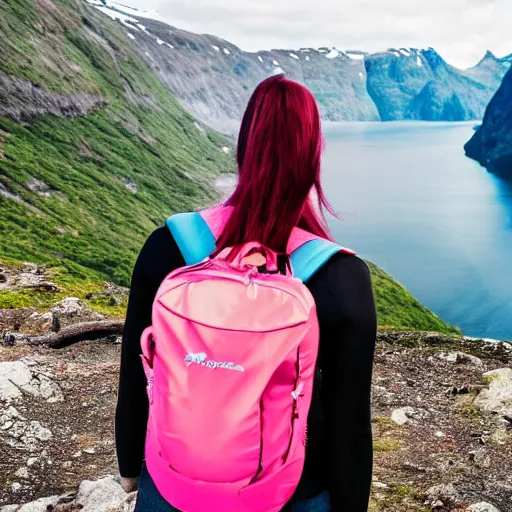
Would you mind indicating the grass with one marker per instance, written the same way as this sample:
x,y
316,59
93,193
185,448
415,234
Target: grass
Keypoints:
x,y
400,495
91,227
398,309
92,221
383,421
386,445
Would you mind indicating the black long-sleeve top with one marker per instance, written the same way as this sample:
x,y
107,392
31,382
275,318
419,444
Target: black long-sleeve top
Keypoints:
x,y
339,451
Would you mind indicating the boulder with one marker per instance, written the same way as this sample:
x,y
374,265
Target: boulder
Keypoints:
x,y
403,415
105,495
40,505
461,358
497,398
16,378
482,507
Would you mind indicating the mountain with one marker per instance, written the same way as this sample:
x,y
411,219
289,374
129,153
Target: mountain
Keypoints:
x,y
420,84
213,78
95,151
491,144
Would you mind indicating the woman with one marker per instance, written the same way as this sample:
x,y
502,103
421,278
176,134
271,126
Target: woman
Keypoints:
x,y
278,156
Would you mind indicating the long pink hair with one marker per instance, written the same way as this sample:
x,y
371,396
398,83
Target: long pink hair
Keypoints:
x,y
279,154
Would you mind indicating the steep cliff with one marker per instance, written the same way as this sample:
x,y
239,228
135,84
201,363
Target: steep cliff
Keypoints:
x,y
491,145
420,84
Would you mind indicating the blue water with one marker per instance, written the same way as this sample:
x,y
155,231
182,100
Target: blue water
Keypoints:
x,y
411,202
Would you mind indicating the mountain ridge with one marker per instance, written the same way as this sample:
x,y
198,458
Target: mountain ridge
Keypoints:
x,y
213,78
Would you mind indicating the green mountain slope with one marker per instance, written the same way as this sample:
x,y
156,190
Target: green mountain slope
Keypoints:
x,y
83,211
95,152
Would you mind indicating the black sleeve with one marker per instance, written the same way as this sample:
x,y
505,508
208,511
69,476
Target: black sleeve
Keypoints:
x,y
348,325
159,256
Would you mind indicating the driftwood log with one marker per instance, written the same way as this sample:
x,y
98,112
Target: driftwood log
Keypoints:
x,y
86,331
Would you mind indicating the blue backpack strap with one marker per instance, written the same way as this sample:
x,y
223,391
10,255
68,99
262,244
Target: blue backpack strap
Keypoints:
x,y
309,258
196,242
192,235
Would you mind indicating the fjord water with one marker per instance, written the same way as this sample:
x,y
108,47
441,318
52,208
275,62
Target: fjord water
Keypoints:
x,y
410,201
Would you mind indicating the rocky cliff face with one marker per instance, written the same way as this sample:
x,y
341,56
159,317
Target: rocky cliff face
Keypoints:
x,y
491,145
213,78
419,84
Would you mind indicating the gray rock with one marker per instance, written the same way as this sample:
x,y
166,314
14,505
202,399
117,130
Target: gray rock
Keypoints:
x,y
40,505
14,376
130,185
382,396
498,397
403,415
39,187
103,495
441,491
482,507
17,378
22,473
22,100
461,358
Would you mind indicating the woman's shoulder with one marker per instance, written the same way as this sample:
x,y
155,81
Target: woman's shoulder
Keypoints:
x,y
347,264
159,254
343,285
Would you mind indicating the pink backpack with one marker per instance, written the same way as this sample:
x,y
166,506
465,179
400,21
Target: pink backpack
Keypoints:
x,y
230,360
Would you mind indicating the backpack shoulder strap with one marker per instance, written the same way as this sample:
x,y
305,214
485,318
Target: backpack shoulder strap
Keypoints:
x,y
192,235
196,241
310,257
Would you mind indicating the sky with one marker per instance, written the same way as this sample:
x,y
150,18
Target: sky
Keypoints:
x,y
460,30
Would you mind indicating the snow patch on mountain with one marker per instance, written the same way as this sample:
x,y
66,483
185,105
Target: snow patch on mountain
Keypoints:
x,y
153,15
355,56
123,18
332,54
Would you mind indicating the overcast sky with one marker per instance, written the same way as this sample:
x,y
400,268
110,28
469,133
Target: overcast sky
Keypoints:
x,y
460,30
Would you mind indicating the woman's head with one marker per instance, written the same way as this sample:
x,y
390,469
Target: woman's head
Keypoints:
x,y
279,154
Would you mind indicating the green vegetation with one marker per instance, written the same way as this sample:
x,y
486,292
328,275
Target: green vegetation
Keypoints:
x,y
87,225
383,421
386,445
91,220
398,309
400,494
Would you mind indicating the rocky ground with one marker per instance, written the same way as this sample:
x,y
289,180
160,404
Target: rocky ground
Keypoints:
x,y
442,414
